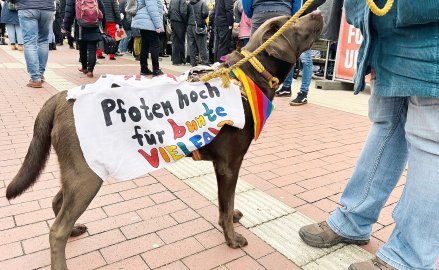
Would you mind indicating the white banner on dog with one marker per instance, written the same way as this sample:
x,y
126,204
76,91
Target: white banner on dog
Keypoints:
x,y
129,126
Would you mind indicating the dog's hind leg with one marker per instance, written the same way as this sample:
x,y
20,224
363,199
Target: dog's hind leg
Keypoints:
x,y
78,229
77,193
227,176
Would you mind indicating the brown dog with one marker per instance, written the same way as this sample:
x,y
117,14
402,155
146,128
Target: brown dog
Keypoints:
x,y
55,125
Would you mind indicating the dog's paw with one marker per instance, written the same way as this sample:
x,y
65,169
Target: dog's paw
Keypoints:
x,y
78,230
237,215
238,242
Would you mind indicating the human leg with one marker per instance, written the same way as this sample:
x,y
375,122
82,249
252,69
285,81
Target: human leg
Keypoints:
x,y
192,45
144,50
12,34
111,31
414,243
377,172
178,39
302,95
91,56
83,55
202,48
29,22
19,35
123,45
44,28
154,49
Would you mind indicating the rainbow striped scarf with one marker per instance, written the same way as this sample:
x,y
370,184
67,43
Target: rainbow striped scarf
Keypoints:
x,y
260,105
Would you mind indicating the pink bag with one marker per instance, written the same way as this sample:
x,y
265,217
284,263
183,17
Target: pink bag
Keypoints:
x,y
88,13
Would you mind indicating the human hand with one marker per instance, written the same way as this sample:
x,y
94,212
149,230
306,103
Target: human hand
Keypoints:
x,y
230,27
122,16
117,27
158,30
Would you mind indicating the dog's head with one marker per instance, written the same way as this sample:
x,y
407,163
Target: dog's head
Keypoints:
x,y
297,38
279,57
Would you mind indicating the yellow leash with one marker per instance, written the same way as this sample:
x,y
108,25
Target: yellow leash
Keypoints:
x,y
224,72
380,11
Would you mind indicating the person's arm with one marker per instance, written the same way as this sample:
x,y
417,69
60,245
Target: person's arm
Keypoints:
x,y
152,6
102,8
247,6
69,15
116,11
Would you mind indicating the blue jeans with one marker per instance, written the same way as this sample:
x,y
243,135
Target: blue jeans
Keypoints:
x,y
306,60
14,32
404,129
123,44
36,25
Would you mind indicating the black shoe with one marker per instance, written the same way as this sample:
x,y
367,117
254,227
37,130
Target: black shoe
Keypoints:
x,y
157,72
163,55
300,99
100,57
146,73
284,91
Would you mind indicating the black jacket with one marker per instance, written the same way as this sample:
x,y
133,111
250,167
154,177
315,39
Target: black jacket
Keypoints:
x,y
126,24
199,8
223,13
86,33
112,11
178,11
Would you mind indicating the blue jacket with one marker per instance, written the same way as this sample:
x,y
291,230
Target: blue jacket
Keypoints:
x,y
35,4
272,5
149,15
402,47
8,16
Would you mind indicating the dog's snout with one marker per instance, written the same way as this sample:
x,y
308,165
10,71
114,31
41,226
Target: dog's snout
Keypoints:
x,y
316,14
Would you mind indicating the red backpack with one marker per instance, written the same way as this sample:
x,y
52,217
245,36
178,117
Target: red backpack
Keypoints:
x,y
88,13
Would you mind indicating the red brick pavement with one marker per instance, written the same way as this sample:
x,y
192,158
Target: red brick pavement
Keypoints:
x,y
303,158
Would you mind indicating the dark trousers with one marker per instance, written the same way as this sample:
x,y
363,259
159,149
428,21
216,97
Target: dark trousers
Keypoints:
x,y
178,40
59,37
197,43
150,43
223,40
87,54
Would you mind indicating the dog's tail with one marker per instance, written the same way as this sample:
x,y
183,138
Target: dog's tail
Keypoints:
x,y
38,151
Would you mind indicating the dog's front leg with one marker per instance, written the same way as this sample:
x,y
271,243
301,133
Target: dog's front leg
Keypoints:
x,y
227,176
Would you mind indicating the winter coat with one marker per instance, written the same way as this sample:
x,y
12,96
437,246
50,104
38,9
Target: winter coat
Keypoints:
x,y
126,24
149,15
223,13
178,11
283,6
402,47
112,11
8,16
85,33
35,4
197,11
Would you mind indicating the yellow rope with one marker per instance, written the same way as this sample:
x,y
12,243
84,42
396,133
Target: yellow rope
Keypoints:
x,y
224,72
254,61
380,11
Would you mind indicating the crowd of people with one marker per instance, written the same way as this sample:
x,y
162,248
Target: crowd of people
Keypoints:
x,y
199,33
403,106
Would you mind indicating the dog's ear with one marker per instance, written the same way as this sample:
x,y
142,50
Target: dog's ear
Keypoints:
x,y
283,47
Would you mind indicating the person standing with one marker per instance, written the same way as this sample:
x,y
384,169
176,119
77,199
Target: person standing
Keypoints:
x,y
149,19
404,111
178,12
197,31
223,24
126,23
112,23
9,16
87,37
36,18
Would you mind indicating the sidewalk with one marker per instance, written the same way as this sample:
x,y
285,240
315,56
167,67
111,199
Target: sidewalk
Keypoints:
x,y
292,175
